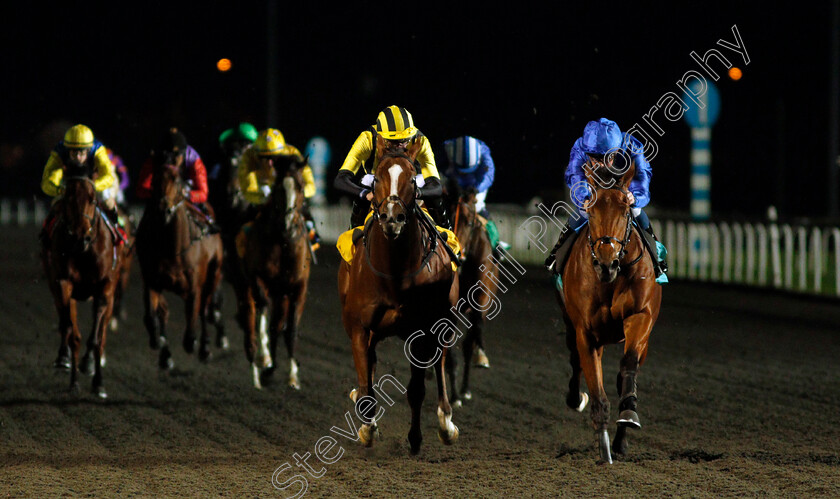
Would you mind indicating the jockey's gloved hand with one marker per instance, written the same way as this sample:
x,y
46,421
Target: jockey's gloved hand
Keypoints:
x,y
266,190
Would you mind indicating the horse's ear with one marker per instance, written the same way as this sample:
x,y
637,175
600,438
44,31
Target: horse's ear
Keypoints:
x,y
414,149
380,144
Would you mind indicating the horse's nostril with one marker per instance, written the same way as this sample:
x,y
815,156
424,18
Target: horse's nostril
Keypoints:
x,y
401,218
614,265
595,262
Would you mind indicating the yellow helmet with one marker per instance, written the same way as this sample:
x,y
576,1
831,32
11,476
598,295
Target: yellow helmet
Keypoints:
x,y
395,123
270,142
78,137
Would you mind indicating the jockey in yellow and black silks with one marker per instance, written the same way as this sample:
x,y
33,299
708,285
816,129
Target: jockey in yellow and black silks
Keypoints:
x,y
397,126
257,174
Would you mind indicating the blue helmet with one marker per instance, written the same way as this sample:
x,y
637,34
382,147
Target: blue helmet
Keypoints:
x,y
464,152
600,137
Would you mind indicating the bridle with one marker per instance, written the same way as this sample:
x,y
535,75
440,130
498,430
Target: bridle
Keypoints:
x,y
93,219
622,252
393,198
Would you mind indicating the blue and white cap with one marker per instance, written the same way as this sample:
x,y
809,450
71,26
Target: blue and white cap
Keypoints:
x,y
464,152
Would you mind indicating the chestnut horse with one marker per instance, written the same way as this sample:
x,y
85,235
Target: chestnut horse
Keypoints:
x,y
609,296
176,255
401,283
82,261
276,263
477,266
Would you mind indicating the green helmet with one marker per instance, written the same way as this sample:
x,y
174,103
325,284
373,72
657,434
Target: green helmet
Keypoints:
x,y
245,132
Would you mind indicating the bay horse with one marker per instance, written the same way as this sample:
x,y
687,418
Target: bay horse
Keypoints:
x,y
401,283
119,313
177,255
82,261
276,264
476,267
609,295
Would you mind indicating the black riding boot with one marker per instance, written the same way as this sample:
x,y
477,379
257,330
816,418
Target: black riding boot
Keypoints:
x,y
438,212
662,267
566,238
361,207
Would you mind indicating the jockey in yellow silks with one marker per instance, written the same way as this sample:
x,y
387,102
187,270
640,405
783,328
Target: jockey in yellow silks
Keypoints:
x,y
257,174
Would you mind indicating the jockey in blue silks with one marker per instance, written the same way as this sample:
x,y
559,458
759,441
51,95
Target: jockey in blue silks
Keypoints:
x,y
471,167
603,142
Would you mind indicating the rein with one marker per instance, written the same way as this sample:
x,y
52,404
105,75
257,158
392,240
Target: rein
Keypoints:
x,y
628,232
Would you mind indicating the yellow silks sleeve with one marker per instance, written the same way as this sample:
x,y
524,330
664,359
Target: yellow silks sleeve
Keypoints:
x,y
363,148
309,188
359,153
427,159
106,174
249,178
53,173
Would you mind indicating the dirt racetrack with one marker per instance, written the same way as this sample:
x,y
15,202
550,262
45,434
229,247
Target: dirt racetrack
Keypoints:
x,y
739,397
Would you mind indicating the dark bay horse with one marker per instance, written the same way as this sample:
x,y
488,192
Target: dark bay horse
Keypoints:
x,y
82,261
477,266
176,255
401,283
276,263
609,296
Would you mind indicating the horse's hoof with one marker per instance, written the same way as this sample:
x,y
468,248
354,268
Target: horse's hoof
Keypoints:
x,y
114,324
267,376
256,376
190,344
205,355
354,394
629,419
165,361
457,404
222,343
294,380
448,437
367,434
604,447
467,395
265,362
88,364
479,359
62,362
100,392
157,343
584,399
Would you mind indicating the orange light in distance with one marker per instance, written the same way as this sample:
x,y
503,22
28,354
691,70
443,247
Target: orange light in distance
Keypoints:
x,y
735,73
224,65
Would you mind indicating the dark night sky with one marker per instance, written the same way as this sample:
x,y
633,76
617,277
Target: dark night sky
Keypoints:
x,y
522,78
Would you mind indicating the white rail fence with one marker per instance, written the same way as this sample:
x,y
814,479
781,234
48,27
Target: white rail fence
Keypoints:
x,y
794,257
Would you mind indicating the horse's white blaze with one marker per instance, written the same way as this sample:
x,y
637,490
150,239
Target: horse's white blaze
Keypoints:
x,y
446,423
395,172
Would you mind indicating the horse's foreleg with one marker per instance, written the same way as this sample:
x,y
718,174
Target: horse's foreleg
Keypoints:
x,y
447,431
293,316
416,393
575,398
75,341
65,326
151,301
636,333
192,306
206,315
590,359
452,378
359,338
103,308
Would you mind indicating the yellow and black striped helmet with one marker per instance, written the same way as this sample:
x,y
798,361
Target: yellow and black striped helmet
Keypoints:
x,y
78,137
395,123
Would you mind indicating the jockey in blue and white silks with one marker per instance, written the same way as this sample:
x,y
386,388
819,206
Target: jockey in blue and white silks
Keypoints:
x,y
471,167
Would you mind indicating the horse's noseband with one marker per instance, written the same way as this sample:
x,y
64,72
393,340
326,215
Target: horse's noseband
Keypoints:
x,y
609,240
